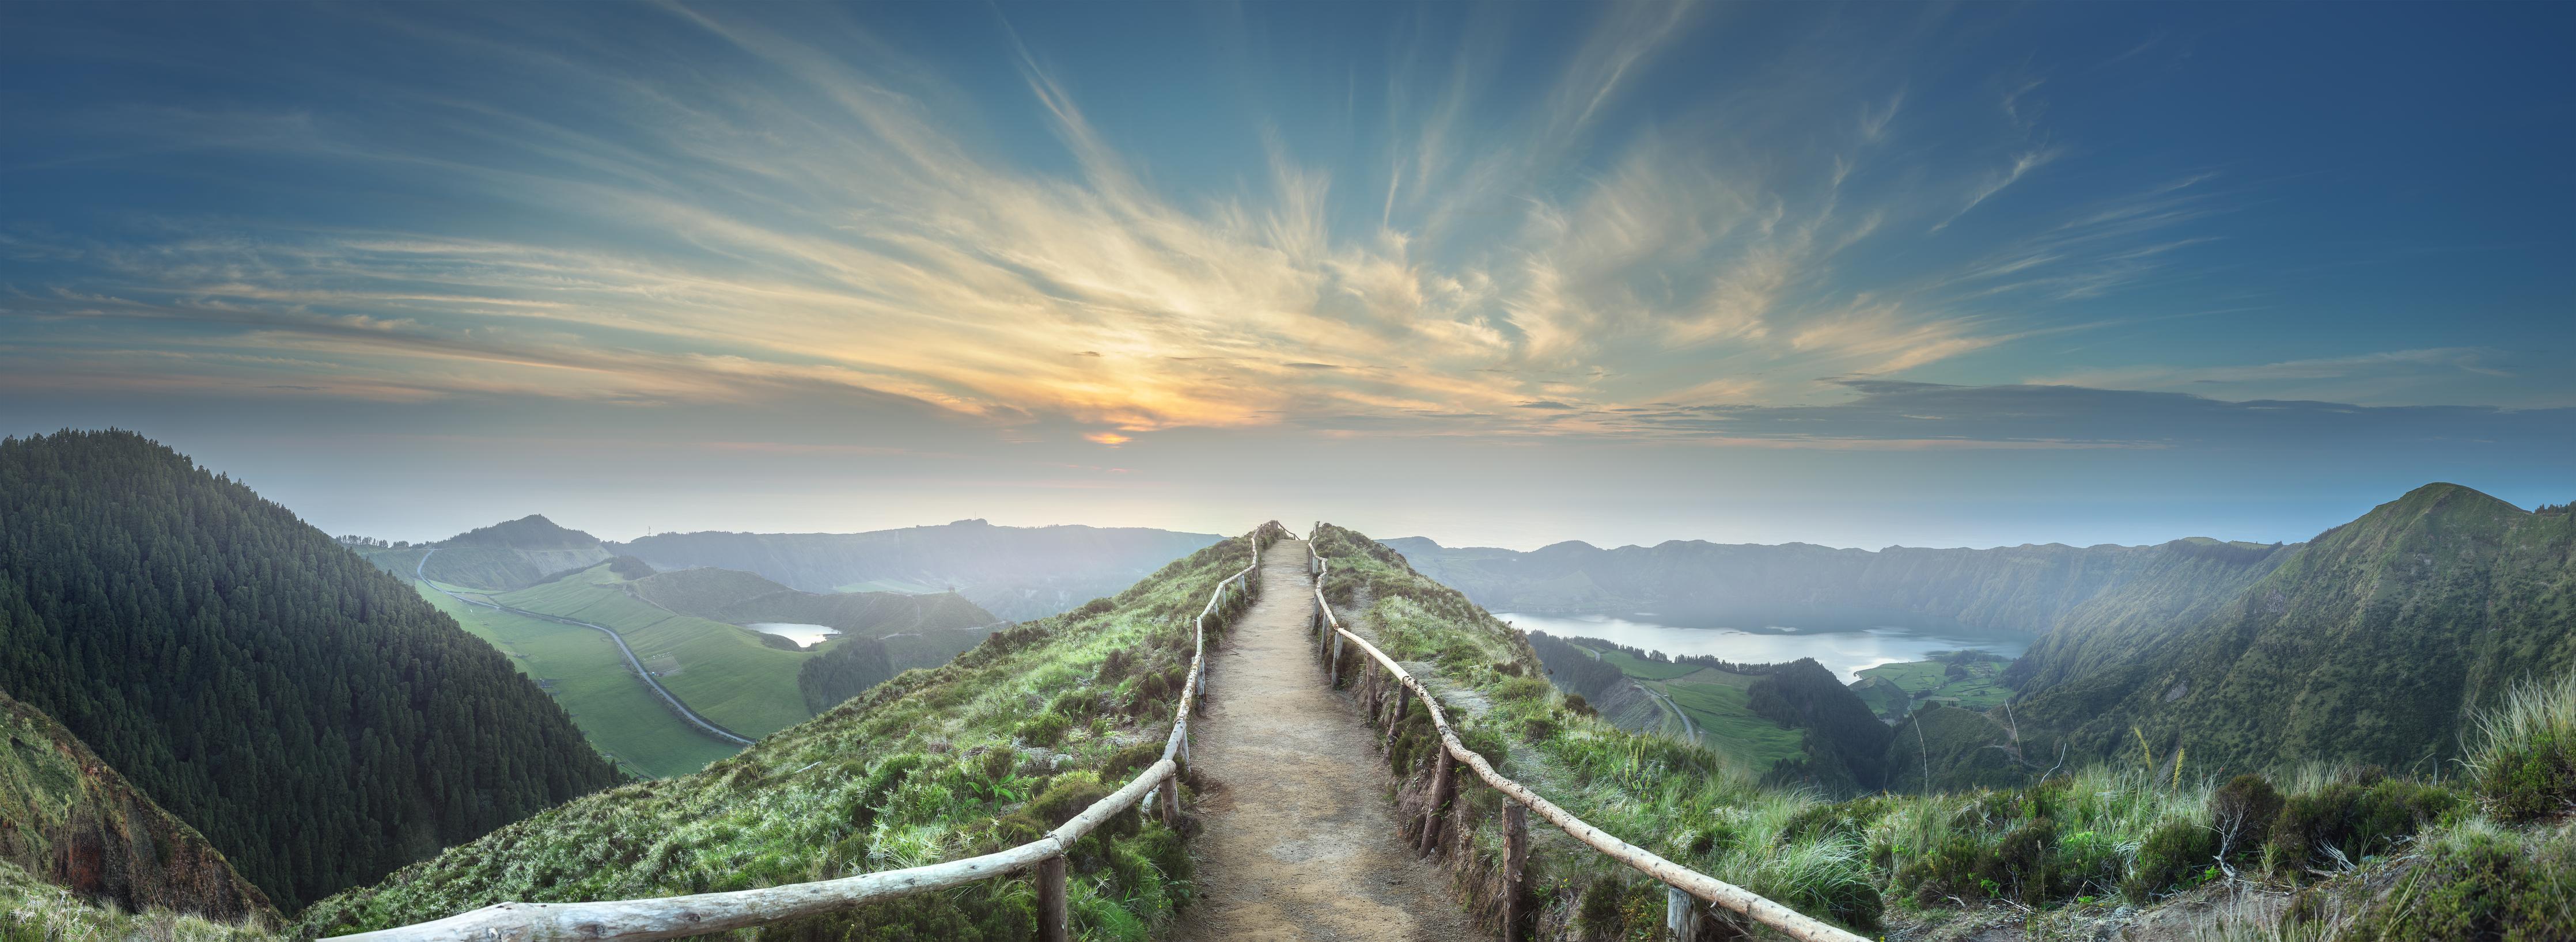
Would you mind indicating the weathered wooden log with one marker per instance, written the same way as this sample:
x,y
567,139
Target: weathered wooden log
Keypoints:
x,y
1515,872
1439,798
1054,923
673,917
1334,674
1752,905
1681,914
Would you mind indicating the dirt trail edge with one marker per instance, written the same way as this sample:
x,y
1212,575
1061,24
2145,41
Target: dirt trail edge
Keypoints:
x,y
1299,842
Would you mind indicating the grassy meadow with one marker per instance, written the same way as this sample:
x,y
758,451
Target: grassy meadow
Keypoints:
x,y
725,672
583,671
1966,679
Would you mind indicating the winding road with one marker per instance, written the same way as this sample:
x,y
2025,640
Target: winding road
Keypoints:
x,y
709,726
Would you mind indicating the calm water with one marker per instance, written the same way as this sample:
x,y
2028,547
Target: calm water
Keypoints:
x,y
806,635
1845,650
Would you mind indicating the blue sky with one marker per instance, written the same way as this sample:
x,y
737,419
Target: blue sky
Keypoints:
x,y
1858,275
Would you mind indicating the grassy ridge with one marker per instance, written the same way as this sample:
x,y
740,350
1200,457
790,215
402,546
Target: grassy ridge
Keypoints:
x,y
724,672
585,673
980,754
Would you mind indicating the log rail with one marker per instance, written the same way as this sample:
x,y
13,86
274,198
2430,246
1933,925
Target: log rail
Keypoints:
x,y
672,917
1682,883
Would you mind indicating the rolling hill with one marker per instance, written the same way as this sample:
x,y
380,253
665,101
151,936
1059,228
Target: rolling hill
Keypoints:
x,y
315,719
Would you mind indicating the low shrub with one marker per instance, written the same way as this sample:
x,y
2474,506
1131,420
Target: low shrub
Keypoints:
x,y
1044,729
2343,822
2524,763
2176,855
2481,884
2242,811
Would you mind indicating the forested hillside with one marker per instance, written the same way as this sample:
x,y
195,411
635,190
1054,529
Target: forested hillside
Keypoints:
x,y
2373,643
2020,588
314,718
1013,572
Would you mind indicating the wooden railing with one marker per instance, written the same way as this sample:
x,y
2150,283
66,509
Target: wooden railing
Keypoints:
x,y
1682,884
671,917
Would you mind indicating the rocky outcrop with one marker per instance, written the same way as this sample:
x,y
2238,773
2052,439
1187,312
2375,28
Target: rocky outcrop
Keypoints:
x,y
69,819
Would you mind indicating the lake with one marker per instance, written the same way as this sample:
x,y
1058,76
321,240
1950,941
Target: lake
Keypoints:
x,y
803,635
1844,649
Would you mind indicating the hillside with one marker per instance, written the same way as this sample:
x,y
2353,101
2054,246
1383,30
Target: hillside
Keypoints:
x,y
69,820
2020,589
316,720
513,554
727,673
1014,572
2372,643
1793,723
2103,849
979,754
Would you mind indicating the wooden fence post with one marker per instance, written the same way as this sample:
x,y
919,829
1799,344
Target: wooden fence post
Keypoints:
x,y
1053,922
1172,802
1333,676
1515,870
1440,775
1681,914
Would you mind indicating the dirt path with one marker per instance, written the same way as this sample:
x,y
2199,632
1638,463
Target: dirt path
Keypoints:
x,y
1299,840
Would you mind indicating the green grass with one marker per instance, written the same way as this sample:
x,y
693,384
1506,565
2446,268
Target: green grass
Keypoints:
x,y
921,769
1981,689
32,910
584,672
725,672
1728,724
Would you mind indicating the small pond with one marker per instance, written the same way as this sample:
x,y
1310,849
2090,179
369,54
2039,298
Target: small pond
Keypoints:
x,y
803,635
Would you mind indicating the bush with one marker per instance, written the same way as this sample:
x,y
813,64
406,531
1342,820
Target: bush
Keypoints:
x,y
1044,729
2344,822
2176,855
2525,760
2243,811
2481,885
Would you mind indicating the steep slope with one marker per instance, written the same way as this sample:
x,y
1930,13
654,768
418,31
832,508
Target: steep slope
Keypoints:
x,y
2370,644
68,819
2022,588
977,755
1014,572
316,720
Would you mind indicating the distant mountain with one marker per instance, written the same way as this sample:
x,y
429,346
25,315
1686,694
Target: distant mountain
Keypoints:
x,y
72,821
2369,644
2027,589
1014,572
315,719
509,555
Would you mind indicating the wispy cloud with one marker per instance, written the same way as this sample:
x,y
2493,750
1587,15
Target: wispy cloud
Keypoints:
x,y
800,218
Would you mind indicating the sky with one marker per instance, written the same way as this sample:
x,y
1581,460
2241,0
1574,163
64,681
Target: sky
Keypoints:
x,y
1508,274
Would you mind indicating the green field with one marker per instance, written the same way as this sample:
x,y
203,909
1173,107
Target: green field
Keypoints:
x,y
583,671
1727,723
1975,688
722,671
